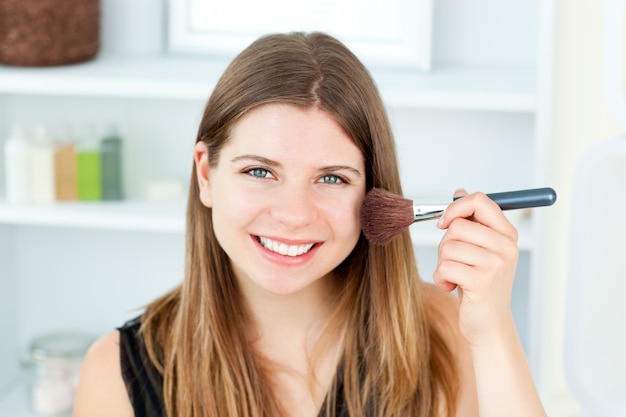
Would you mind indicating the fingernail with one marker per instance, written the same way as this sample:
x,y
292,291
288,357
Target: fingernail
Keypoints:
x,y
440,222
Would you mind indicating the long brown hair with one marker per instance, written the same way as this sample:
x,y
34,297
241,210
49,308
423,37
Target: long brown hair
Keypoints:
x,y
394,361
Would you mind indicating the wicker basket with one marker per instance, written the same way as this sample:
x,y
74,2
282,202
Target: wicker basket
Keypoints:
x,y
48,32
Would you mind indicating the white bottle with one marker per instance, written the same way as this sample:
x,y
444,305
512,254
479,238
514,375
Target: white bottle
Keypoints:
x,y
42,187
16,163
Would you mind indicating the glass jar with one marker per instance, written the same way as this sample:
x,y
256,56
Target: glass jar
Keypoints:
x,y
53,363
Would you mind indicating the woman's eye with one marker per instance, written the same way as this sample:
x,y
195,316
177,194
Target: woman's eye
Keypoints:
x,y
331,179
260,173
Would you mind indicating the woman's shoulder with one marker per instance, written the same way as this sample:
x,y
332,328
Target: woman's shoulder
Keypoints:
x,y
443,311
101,389
442,306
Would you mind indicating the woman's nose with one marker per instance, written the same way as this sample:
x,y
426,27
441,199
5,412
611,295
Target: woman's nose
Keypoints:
x,y
294,206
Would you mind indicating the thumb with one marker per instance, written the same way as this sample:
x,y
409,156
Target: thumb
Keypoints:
x,y
459,192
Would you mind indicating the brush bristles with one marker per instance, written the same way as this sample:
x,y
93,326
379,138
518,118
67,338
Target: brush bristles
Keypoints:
x,y
385,215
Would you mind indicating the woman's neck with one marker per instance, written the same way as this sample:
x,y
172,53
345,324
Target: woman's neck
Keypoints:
x,y
288,331
295,319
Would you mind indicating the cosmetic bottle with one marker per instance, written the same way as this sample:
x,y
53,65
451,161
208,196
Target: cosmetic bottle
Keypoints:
x,y
41,163
65,170
52,365
16,160
88,166
111,159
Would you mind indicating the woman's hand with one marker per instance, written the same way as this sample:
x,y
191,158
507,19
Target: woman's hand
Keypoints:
x,y
478,256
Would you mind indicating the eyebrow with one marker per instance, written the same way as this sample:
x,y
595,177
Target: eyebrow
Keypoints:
x,y
342,168
257,158
272,163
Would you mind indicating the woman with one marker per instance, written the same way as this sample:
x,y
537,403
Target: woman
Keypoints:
x,y
285,308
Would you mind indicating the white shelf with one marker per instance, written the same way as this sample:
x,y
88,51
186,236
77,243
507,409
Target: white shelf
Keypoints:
x,y
118,76
124,215
446,87
461,87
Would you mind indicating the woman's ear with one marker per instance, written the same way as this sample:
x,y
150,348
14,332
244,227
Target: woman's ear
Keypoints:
x,y
203,171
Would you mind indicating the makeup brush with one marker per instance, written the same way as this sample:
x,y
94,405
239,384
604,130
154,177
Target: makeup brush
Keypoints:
x,y
385,215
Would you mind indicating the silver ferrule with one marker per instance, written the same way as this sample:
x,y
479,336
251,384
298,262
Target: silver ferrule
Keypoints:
x,y
428,211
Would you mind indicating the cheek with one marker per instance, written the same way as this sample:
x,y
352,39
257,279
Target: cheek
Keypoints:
x,y
231,209
345,218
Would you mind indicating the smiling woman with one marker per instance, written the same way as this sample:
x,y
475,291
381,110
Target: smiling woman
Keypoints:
x,y
285,309
290,177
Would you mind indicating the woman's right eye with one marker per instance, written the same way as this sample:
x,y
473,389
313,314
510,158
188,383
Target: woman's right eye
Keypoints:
x,y
260,173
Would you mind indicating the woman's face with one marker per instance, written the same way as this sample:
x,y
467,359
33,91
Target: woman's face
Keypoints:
x,y
285,196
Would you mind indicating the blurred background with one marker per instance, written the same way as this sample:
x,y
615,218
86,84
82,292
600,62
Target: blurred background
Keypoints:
x,y
487,95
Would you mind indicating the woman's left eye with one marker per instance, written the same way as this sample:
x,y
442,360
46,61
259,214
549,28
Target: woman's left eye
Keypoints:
x,y
331,179
259,173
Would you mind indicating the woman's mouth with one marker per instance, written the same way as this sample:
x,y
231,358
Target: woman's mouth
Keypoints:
x,y
284,248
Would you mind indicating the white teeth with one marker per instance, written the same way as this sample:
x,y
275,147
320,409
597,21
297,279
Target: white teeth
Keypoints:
x,y
283,248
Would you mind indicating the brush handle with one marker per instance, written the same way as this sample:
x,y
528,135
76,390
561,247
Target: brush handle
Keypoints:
x,y
536,197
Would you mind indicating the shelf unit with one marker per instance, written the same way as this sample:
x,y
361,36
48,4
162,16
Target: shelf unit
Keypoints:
x,y
135,215
467,87
133,250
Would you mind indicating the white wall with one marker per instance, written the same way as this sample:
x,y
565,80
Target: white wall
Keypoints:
x,y
79,279
580,119
8,303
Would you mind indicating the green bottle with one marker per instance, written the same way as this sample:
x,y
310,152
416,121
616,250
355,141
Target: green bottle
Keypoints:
x,y
111,159
88,168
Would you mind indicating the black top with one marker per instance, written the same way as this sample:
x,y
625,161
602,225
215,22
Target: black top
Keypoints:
x,y
145,384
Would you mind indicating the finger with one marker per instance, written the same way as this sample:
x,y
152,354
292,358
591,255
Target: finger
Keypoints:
x,y
475,245
478,262
450,274
460,192
447,286
460,251
453,251
478,207
477,234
